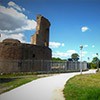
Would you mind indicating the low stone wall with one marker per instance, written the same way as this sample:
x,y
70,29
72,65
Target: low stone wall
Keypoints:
x,y
68,65
11,66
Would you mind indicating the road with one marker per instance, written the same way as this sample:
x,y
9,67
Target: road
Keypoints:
x,y
48,88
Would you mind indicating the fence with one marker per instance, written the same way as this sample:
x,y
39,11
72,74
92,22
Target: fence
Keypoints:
x,y
9,66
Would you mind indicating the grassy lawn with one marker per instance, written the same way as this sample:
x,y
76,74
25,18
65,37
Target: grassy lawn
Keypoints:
x,y
83,87
8,82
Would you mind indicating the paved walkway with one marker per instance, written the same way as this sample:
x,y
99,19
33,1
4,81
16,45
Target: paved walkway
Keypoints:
x,y
48,88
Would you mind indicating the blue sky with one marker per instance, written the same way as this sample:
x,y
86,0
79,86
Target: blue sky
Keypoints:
x,y
73,23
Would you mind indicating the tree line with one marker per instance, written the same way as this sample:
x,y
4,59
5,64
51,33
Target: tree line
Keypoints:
x,y
95,63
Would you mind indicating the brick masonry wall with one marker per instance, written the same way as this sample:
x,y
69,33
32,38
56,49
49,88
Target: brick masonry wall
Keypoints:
x,y
12,51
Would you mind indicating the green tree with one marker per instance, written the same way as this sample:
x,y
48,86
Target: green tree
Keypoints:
x,y
93,65
75,57
95,60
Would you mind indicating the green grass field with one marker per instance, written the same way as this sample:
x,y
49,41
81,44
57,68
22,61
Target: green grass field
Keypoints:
x,y
83,87
8,82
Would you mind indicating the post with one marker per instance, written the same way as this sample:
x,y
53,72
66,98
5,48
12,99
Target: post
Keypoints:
x,y
81,47
88,64
0,37
97,61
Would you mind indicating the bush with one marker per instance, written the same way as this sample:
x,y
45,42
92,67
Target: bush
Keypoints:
x,y
93,65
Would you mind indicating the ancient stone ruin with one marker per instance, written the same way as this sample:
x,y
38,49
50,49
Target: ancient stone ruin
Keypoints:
x,y
23,55
41,37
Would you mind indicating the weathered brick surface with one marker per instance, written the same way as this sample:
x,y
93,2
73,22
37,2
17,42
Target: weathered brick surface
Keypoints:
x,y
24,52
41,37
20,52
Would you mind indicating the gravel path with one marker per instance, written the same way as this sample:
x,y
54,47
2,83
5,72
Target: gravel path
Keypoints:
x,y
48,88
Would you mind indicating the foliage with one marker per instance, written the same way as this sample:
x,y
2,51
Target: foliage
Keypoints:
x,y
95,60
58,59
75,57
89,65
93,65
83,87
70,59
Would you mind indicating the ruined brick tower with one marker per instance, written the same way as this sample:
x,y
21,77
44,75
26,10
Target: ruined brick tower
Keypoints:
x,y
41,37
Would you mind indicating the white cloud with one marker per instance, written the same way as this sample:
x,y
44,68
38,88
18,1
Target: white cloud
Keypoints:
x,y
94,55
93,46
13,21
70,52
55,44
84,53
85,46
18,36
64,55
12,4
59,54
63,44
67,54
84,29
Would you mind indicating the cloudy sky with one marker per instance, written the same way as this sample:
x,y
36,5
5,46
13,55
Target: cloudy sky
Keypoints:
x,y
73,23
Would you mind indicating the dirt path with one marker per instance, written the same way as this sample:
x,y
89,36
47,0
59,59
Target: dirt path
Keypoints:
x,y
48,88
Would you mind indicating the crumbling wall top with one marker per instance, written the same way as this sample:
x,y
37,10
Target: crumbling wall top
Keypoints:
x,y
11,41
41,19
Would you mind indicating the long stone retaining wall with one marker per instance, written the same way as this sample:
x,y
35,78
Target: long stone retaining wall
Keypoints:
x,y
10,66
